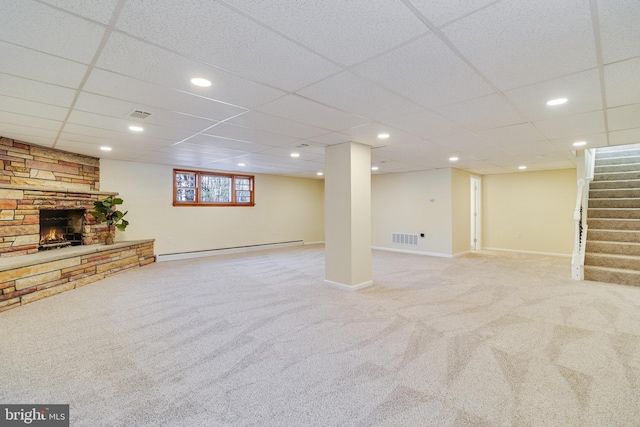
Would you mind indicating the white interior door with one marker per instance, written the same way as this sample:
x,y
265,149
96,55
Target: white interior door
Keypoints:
x,y
476,220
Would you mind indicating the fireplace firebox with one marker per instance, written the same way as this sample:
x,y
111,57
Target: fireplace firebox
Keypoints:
x,y
60,228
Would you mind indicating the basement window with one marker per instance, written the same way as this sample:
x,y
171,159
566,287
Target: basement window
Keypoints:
x,y
200,188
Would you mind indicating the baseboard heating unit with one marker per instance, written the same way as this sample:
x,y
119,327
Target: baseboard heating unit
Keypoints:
x,y
226,251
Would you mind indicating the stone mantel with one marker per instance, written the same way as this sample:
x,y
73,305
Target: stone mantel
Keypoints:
x,y
45,188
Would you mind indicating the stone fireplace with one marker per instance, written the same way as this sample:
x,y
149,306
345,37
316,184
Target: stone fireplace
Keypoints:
x,y
46,197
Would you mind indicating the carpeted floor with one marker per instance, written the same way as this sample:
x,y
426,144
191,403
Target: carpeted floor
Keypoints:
x,y
490,339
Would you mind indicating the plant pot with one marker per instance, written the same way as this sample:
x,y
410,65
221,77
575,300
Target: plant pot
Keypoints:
x,y
109,239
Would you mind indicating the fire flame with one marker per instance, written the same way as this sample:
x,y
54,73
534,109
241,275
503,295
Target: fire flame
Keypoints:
x,y
54,235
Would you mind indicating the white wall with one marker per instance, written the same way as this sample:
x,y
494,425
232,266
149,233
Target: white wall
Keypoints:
x,y
413,203
529,211
286,209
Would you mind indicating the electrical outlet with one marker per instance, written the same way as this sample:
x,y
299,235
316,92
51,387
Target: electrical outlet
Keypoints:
x,y
519,235
169,240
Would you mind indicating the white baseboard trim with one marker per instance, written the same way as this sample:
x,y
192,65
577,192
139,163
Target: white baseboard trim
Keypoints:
x,y
528,252
225,251
319,242
348,287
407,251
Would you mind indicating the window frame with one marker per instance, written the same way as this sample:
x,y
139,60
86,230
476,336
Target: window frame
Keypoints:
x,y
198,179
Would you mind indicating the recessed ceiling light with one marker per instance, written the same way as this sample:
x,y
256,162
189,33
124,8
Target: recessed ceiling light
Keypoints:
x,y
105,148
295,154
522,167
579,143
136,128
557,101
198,81
383,135
453,159
319,173
242,164
374,168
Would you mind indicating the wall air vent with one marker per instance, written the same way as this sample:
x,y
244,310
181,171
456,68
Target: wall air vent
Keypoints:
x,y
404,239
139,114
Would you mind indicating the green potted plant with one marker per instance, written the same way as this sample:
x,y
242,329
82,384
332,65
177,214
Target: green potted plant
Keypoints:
x,y
106,211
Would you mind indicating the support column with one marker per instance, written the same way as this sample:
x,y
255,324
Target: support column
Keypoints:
x,y
348,215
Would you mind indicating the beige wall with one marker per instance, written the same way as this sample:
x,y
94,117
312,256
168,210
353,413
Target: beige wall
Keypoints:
x,y
286,209
401,203
529,211
461,211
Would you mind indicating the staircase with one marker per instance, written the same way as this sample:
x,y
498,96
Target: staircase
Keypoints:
x,y
613,236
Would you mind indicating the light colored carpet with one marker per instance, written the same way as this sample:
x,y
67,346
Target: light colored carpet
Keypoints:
x,y
490,339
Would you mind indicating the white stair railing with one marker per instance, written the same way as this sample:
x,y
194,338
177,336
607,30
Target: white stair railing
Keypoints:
x,y
577,258
580,217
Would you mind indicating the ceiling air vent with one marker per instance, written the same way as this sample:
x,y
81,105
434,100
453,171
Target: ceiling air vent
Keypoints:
x,y
139,114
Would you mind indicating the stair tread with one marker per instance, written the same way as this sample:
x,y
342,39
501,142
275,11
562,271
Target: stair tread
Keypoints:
x,y
620,256
613,269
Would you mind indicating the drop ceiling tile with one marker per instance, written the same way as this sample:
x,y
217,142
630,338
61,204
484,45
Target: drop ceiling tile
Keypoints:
x,y
84,135
121,125
32,90
521,133
627,136
240,133
619,29
143,61
521,42
439,12
396,167
76,132
49,30
485,112
211,153
331,138
92,149
624,117
469,144
97,10
560,164
347,92
370,26
575,125
618,78
32,109
446,80
266,122
214,34
368,134
29,64
139,92
424,124
299,109
211,144
581,89
533,149
43,137
285,152
593,141
7,118
119,109
409,151
490,170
